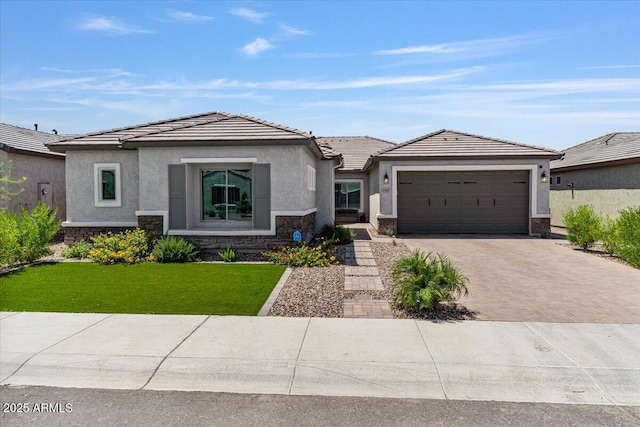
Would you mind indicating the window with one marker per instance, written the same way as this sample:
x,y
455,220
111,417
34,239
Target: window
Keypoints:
x,y
106,177
226,195
311,178
558,180
348,195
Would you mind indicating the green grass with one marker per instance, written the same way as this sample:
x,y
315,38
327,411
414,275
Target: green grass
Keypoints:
x,y
73,287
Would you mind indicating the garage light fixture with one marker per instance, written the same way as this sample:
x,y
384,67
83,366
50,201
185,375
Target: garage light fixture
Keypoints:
x,y
386,179
543,177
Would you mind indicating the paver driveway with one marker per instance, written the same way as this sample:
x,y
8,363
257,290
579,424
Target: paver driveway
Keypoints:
x,y
543,280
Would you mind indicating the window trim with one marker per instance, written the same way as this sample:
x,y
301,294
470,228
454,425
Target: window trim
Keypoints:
x,y
97,185
351,180
311,178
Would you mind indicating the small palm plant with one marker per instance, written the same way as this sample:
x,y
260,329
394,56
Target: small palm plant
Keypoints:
x,y
422,281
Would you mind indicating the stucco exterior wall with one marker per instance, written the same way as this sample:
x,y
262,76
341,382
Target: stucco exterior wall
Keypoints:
x,y
288,173
324,193
606,203
374,195
608,189
599,178
80,186
386,197
37,170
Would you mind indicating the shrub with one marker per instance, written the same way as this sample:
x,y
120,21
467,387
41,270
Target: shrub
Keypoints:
x,y
584,226
627,236
422,281
337,233
26,236
128,247
9,246
228,255
78,250
175,249
318,255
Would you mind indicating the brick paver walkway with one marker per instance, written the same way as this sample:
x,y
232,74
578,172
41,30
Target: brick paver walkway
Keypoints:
x,y
361,274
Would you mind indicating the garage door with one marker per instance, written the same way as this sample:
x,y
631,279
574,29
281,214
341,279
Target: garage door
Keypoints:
x,y
495,202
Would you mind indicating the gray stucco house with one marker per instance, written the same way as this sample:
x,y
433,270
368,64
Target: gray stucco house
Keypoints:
x,y
26,152
221,178
603,172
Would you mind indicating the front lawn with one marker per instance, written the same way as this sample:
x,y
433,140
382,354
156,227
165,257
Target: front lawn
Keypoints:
x,y
78,287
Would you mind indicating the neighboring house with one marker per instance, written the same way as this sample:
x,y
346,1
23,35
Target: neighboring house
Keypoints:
x,y
603,172
26,152
351,186
224,179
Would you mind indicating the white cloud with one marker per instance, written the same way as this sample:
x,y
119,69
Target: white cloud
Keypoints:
x,y
436,48
609,67
473,48
249,14
110,26
294,31
257,46
181,16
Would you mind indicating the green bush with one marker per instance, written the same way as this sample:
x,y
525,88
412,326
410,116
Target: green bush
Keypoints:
x,y
228,255
584,226
128,247
318,255
627,236
26,236
337,233
175,249
77,250
422,281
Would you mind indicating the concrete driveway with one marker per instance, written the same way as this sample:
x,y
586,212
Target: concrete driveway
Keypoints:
x,y
540,280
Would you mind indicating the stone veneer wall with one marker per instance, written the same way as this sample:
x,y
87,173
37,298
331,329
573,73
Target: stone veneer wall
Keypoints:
x,y
151,223
385,224
75,234
541,226
285,226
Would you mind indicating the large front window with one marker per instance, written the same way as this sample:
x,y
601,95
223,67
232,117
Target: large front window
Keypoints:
x,y
348,195
226,195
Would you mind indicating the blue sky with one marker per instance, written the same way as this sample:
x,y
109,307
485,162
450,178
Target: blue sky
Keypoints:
x,y
547,73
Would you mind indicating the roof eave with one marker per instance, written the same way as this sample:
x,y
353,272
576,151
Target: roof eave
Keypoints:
x,y
601,164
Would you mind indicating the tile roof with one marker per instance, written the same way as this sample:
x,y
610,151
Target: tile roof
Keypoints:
x,y
355,150
448,143
608,148
18,139
214,126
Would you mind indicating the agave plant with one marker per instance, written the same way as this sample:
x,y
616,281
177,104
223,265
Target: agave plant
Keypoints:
x,y
422,281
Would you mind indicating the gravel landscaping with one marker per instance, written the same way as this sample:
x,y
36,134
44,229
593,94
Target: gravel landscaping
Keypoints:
x,y
312,292
319,292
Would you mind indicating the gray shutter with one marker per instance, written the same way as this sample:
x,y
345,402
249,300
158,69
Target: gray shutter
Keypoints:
x,y
262,196
177,197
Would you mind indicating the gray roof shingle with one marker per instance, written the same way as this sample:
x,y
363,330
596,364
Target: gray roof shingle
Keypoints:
x,y
612,147
26,141
452,144
214,126
355,150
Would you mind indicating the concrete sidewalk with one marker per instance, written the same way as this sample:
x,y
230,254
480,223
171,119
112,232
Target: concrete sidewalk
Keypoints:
x,y
519,362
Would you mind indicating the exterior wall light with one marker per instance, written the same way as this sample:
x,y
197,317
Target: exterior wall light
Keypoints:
x,y
543,177
386,179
